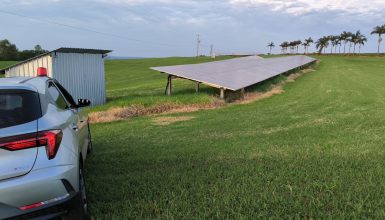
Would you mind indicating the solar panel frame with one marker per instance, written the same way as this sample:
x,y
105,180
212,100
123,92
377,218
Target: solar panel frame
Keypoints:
x,y
238,73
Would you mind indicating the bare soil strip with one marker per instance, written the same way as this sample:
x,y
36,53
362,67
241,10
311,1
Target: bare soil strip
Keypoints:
x,y
163,121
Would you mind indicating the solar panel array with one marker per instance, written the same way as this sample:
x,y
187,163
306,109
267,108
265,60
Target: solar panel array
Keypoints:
x,y
238,73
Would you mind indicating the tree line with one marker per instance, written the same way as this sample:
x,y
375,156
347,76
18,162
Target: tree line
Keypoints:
x,y
9,51
346,43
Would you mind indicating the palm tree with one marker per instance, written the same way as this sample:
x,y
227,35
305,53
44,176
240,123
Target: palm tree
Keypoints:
x,y
339,43
297,44
292,45
345,36
271,45
322,44
356,39
333,41
284,46
307,44
350,40
336,42
361,42
380,30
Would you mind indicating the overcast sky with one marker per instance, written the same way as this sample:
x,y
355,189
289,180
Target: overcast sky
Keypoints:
x,y
153,28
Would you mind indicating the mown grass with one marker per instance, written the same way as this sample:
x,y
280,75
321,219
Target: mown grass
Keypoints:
x,y
131,82
315,151
4,64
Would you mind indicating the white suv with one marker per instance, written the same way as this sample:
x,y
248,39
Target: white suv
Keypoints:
x,y
44,141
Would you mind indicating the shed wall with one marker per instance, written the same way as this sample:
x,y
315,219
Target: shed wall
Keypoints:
x,y
82,75
29,69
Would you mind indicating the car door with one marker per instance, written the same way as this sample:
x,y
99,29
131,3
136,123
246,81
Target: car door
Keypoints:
x,y
82,119
66,117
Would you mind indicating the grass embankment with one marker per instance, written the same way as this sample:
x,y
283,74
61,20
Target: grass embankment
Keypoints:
x,y
315,151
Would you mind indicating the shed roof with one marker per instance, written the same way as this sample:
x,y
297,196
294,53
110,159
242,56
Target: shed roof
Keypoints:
x,y
235,74
81,50
61,50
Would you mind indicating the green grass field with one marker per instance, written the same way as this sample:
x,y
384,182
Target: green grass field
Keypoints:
x,y
4,64
315,151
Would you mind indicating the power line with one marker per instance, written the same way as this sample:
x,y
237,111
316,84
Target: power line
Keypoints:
x,y
199,41
89,30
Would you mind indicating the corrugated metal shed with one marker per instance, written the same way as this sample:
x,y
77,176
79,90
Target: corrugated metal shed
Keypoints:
x,y
79,70
236,74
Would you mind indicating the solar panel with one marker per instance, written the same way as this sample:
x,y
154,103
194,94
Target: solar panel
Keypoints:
x,y
235,74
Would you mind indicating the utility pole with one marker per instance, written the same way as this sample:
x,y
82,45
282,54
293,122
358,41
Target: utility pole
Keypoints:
x,y
198,44
211,50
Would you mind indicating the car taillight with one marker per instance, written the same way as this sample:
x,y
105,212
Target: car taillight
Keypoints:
x,y
19,142
50,139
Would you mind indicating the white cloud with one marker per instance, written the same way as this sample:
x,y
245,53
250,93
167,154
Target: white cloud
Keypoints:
x,y
178,12
28,2
300,7
179,18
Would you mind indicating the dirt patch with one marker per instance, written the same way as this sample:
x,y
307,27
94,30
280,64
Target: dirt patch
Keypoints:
x,y
122,113
196,107
116,114
164,121
308,70
255,96
294,76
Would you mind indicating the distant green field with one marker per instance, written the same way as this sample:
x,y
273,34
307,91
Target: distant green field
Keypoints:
x,y
130,82
4,64
316,151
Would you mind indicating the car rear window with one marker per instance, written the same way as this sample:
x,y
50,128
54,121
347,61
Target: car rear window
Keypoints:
x,y
18,107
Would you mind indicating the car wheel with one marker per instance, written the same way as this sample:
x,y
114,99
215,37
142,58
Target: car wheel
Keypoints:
x,y
79,212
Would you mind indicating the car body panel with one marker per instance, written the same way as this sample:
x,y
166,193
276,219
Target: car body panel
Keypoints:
x,y
18,163
43,184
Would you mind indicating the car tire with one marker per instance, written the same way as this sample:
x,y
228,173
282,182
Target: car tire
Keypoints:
x,y
80,211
